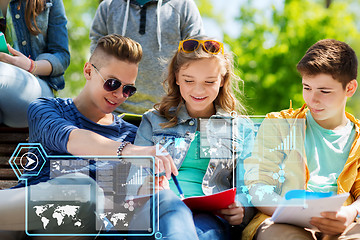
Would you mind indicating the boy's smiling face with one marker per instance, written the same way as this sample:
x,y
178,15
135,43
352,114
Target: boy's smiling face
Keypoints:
x,y
326,99
108,101
94,101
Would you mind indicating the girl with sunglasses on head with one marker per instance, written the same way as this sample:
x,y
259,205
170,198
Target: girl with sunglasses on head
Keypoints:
x,y
37,55
200,105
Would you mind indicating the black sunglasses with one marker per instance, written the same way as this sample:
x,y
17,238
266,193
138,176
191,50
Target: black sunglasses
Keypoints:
x,y
112,84
3,25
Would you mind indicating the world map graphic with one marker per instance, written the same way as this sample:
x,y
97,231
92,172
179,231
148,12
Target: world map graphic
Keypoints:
x,y
58,213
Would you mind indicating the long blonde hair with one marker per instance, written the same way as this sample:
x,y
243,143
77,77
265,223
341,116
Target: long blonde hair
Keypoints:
x,y
171,103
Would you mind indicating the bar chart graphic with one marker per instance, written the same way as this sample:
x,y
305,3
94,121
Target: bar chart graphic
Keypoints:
x,y
137,178
288,143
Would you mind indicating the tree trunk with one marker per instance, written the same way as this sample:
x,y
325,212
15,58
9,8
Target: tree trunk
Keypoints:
x,y
327,3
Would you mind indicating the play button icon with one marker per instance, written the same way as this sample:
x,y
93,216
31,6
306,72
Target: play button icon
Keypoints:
x,y
29,161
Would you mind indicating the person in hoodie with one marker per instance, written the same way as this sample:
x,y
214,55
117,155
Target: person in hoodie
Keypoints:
x,y
158,25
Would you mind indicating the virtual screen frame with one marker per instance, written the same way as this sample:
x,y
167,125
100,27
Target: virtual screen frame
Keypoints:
x,y
154,229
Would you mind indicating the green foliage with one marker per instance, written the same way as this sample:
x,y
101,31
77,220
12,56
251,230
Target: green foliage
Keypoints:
x,y
79,14
272,42
207,10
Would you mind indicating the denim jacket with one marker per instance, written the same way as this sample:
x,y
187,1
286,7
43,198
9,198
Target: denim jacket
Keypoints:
x,y
177,140
51,44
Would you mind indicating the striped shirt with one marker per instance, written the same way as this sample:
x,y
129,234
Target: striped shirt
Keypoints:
x,y
52,119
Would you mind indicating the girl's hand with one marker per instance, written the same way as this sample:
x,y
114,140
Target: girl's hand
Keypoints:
x,y
17,59
334,223
234,214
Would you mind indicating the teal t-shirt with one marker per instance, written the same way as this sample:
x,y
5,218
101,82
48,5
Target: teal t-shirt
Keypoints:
x,y
327,152
142,2
192,170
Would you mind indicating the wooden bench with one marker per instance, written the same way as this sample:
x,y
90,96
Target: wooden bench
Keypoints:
x,y
9,139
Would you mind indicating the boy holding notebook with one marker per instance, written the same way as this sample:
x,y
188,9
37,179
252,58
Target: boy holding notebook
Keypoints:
x,y
331,141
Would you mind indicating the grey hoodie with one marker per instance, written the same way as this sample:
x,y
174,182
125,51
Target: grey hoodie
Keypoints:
x,y
158,26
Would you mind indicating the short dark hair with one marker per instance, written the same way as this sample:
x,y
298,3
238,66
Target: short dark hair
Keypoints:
x,y
332,57
120,47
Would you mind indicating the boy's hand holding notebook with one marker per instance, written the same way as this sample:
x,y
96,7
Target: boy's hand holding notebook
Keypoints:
x,y
299,206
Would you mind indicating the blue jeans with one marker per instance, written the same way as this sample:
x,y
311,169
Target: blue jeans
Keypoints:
x,y
178,222
18,88
210,226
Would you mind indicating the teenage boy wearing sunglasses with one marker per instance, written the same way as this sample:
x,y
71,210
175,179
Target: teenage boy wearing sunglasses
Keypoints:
x,y
86,126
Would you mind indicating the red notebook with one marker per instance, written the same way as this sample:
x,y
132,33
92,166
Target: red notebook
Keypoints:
x,y
212,202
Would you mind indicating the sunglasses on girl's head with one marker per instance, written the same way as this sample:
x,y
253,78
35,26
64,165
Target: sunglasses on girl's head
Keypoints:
x,y
210,46
112,84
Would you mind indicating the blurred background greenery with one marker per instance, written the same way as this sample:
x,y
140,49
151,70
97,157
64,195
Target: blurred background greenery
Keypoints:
x,y
268,44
